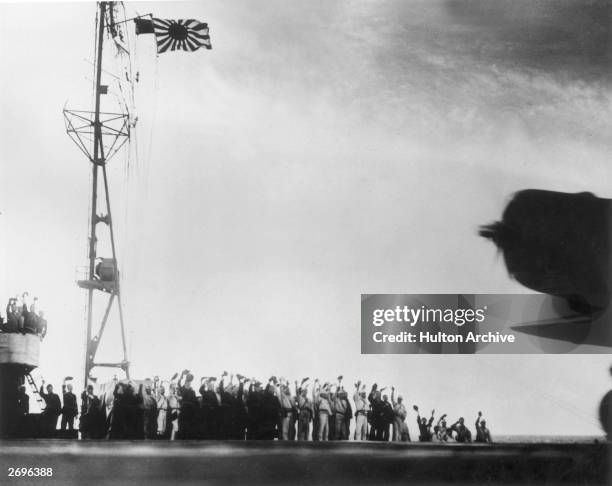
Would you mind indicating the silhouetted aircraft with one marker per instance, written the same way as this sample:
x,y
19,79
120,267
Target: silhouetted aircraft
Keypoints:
x,y
559,244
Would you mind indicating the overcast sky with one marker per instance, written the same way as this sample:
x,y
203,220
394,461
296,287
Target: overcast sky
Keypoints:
x,y
321,150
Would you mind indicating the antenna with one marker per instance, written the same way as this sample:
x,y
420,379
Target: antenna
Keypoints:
x,y
100,135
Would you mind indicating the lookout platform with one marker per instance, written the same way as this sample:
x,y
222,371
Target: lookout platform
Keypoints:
x,y
19,350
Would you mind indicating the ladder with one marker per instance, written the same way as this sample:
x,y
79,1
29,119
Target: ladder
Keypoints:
x,y
32,383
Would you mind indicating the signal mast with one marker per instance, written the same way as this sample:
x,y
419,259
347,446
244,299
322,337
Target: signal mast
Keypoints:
x,y
100,135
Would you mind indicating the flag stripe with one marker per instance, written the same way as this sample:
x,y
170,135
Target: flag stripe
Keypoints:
x,y
163,46
161,23
191,44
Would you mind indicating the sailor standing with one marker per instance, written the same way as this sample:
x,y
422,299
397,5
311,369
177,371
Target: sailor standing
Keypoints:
x,y
361,419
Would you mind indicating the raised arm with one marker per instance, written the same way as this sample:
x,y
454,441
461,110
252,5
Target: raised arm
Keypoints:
x,y
315,391
356,394
180,382
372,392
240,389
222,382
418,419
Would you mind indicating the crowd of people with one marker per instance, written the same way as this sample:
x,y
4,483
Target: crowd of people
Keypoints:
x,y
238,408
23,316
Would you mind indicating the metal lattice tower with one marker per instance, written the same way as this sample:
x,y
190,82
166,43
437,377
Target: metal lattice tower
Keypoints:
x,y
100,135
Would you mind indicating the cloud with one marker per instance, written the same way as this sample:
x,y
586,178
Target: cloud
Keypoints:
x,y
569,38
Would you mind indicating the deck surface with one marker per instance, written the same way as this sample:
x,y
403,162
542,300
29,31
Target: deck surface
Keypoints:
x,y
156,463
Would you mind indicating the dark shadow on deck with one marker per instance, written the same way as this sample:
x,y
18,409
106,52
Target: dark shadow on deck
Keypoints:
x,y
152,463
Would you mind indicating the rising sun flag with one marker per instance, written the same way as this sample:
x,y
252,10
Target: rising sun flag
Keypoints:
x,y
175,35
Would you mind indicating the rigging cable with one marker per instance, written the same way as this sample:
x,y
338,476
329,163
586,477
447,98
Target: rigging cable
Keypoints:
x,y
132,143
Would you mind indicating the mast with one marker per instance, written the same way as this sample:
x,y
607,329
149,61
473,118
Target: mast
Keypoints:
x,y
109,132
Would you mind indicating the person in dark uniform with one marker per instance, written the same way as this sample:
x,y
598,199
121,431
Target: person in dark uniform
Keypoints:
x,y
13,316
483,435
30,317
463,433
209,410
53,407
270,413
90,414
425,434
232,413
388,416
120,414
189,407
254,402
23,401
238,413
376,414
226,407
70,409
134,404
